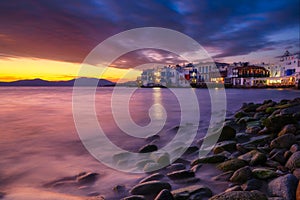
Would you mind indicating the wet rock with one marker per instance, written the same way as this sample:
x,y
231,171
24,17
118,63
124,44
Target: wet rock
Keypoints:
x,y
253,130
209,159
251,107
254,157
151,167
284,141
227,133
239,195
253,184
176,167
148,148
134,197
265,106
244,148
284,186
294,161
141,164
275,123
232,164
87,178
294,148
224,176
182,174
241,114
263,173
241,175
288,129
151,187
164,195
229,145
296,173
191,150
152,177
234,188
278,155
185,181
187,192
121,156
287,155
290,110
242,137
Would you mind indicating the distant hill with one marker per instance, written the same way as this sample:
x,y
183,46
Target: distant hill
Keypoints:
x,y
70,83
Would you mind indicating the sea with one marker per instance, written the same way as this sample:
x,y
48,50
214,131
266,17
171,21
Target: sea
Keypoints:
x,y
42,131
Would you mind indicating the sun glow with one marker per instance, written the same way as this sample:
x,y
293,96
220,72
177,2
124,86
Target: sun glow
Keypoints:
x,y
12,69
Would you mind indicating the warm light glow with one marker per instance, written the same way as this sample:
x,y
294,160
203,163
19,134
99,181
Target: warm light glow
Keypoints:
x,y
12,69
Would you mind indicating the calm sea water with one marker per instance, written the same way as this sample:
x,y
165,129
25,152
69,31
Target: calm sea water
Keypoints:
x,y
39,142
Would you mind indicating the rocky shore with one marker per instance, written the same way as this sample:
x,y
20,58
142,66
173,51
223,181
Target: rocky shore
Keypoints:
x,y
257,157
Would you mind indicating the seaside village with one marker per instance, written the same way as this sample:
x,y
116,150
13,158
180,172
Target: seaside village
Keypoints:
x,y
284,73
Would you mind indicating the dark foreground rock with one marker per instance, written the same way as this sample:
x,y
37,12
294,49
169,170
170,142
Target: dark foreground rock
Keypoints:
x,y
284,186
190,192
240,195
151,187
164,195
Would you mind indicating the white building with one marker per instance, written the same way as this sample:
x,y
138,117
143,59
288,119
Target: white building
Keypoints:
x,y
289,64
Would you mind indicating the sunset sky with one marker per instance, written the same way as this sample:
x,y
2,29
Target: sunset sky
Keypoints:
x,y
49,39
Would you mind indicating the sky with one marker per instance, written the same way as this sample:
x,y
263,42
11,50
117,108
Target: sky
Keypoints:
x,y
49,39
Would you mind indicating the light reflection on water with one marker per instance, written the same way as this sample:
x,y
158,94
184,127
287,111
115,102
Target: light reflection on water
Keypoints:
x,y
39,143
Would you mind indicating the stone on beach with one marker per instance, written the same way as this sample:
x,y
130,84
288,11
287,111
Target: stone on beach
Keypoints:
x,y
294,161
186,192
209,159
284,186
240,195
148,148
284,141
164,195
241,175
151,187
232,164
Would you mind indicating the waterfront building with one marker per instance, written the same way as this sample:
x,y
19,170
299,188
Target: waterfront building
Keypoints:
x,y
289,64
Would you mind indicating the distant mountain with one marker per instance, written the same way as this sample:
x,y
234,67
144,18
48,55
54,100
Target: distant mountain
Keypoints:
x,y
70,83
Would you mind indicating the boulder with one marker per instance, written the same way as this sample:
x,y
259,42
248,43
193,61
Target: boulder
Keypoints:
x,y
181,174
240,195
277,122
151,187
296,173
87,178
224,176
134,197
254,157
294,161
229,145
284,186
241,175
152,177
284,141
288,129
227,133
294,148
253,184
253,130
175,167
164,195
263,173
148,148
232,164
187,192
209,159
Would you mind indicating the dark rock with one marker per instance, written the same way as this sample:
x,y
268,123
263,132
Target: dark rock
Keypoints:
x,y
284,141
191,150
232,164
261,139
224,176
251,107
209,159
244,148
152,177
294,148
288,129
229,145
263,173
151,187
253,130
185,181
294,161
284,186
186,192
175,167
279,157
152,166
296,173
254,157
290,110
227,133
134,197
241,175
287,155
265,106
182,174
276,123
87,178
164,195
240,195
253,184
241,114
242,137
148,148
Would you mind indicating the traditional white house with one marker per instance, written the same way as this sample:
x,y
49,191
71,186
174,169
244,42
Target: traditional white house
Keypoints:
x,y
289,64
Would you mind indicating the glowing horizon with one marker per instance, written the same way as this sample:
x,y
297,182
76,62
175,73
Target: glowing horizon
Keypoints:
x,y
21,68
